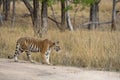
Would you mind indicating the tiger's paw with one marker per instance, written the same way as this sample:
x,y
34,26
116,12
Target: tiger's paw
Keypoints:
x,y
32,61
15,60
46,63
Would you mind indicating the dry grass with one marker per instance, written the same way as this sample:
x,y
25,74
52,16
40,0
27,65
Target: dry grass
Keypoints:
x,y
79,48
92,49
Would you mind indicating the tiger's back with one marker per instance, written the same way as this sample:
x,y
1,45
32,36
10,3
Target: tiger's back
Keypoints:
x,y
29,44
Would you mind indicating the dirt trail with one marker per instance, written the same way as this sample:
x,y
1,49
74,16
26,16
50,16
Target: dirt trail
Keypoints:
x,y
23,70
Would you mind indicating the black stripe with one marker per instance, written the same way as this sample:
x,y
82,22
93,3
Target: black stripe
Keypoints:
x,y
21,49
30,48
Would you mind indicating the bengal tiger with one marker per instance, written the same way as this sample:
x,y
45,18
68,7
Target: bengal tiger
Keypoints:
x,y
28,44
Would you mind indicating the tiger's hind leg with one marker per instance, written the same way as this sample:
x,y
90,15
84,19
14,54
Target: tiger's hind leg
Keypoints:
x,y
29,56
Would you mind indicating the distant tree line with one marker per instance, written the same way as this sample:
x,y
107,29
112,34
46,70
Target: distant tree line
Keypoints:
x,y
40,17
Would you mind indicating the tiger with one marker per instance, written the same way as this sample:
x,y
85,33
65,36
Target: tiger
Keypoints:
x,y
29,44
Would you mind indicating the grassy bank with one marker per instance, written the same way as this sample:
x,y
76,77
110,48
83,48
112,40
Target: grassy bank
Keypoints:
x,y
92,49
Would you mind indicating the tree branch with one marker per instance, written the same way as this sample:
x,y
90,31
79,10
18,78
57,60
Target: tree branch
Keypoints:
x,y
99,23
29,7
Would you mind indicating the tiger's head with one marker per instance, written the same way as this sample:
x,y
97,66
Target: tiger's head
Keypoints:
x,y
56,46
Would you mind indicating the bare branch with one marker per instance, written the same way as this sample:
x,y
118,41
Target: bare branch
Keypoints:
x,y
53,20
117,1
85,24
58,23
54,16
30,8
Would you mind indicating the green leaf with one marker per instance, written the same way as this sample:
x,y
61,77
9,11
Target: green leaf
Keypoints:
x,y
68,8
77,1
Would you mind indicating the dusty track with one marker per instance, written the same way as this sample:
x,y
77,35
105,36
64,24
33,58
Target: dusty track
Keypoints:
x,y
23,70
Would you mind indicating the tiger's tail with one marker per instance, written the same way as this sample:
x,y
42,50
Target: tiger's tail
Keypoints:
x,y
10,57
16,51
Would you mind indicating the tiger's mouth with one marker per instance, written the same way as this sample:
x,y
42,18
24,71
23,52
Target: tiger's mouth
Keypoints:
x,y
57,48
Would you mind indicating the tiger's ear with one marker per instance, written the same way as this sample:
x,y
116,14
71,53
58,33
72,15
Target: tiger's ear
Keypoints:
x,y
57,42
54,43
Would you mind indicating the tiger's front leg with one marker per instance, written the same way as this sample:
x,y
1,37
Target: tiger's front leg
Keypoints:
x,y
45,58
46,54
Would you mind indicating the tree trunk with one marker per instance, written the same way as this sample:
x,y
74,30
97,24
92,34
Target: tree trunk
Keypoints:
x,y
35,16
44,16
113,26
13,14
1,2
69,24
30,8
63,16
6,8
1,19
94,15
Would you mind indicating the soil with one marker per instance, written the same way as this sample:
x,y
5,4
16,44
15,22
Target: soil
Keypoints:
x,y
24,70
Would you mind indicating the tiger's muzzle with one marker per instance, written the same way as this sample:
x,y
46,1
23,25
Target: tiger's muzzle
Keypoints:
x,y
57,48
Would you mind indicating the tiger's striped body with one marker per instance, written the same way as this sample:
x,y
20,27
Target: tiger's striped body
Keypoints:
x,y
27,44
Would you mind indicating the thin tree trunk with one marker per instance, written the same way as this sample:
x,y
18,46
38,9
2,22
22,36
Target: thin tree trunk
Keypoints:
x,y
1,19
4,5
97,13
63,16
113,26
6,8
13,14
69,24
1,2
